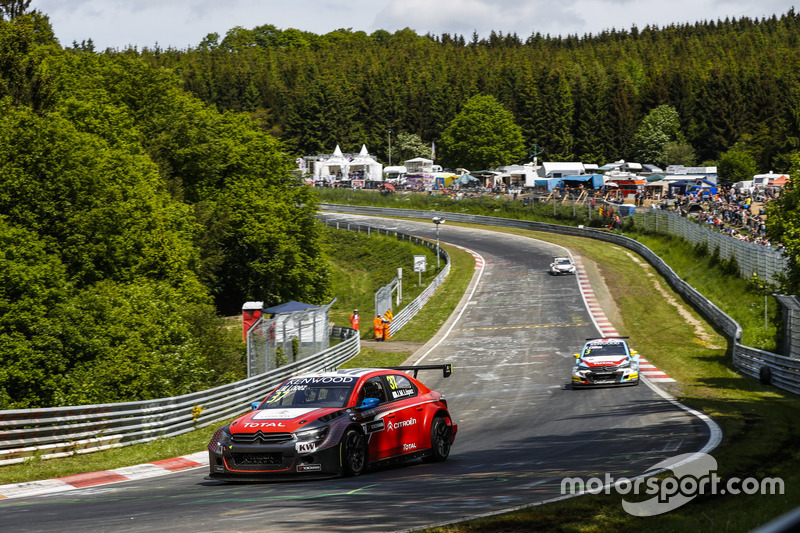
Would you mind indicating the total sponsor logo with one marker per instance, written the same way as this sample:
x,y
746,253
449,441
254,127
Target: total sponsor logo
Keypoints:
x,y
409,446
249,425
597,361
401,424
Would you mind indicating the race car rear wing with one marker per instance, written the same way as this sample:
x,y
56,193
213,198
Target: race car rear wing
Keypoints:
x,y
446,369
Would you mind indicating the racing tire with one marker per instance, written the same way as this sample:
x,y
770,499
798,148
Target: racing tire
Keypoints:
x,y
440,440
354,453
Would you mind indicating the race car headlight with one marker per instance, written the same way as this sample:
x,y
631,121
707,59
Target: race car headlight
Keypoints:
x,y
311,435
220,441
626,364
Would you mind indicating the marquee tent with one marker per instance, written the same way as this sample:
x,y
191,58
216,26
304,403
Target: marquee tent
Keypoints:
x,y
329,169
372,170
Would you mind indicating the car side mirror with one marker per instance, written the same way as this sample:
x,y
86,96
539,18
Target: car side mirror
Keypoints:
x,y
577,356
369,403
254,405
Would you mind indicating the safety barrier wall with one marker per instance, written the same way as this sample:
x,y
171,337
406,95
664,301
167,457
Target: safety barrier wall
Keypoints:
x,y
783,372
62,431
407,313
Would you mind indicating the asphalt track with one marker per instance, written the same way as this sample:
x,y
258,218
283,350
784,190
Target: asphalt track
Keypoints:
x,y
522,429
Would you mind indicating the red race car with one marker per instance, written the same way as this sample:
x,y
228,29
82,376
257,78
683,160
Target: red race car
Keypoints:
x,y
336,423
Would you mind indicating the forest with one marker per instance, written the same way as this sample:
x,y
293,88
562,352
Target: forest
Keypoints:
x,y
132,217
145,194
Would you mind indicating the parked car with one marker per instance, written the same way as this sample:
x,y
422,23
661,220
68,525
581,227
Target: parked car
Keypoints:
x,y
336,423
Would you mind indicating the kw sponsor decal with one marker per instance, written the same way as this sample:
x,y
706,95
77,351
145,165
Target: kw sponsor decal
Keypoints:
x,y
401,424
305,447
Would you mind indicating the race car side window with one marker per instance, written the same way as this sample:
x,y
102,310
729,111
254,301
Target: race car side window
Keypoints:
x,y
373,388
400,387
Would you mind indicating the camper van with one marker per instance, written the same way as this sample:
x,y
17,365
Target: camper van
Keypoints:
x,y
763,181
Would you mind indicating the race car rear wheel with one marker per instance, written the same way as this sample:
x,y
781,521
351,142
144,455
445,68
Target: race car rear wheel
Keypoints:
x,y
440,440
354,453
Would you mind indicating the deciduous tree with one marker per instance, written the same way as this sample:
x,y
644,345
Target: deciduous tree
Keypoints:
x,y
483,135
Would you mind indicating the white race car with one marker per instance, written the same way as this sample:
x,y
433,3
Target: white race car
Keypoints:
x,y
607,361
562,265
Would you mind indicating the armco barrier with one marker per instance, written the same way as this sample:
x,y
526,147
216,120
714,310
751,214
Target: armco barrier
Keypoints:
x,y
407,313
782,372
62,431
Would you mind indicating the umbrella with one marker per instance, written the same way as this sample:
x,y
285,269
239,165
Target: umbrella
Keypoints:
x,y
388,186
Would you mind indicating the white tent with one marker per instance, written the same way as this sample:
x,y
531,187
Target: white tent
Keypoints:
x,y
337,167
372,169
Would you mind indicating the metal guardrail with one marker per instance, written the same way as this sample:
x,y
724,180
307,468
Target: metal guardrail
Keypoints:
x,y
408,312
782,372
63,431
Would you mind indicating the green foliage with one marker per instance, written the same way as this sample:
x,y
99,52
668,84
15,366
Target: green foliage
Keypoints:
x,y
483,135
736,165
409,146
659,127
129,208
678,153
783,225
280,357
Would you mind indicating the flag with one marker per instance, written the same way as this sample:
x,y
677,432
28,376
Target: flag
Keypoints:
x,y
433,150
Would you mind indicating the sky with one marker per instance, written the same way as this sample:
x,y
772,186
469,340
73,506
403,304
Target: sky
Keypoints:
x,y
184,23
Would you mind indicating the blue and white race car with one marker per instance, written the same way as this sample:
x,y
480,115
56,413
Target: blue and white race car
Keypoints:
x,y
604,362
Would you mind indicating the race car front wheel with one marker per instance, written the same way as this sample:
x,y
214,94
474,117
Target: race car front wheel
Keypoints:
x,y
440,440
354,453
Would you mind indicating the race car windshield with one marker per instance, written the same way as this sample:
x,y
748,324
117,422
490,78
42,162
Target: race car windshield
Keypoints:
x,y
605,350
562,261
305,392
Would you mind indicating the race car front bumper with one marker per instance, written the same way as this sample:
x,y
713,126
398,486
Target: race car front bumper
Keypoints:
x,y
244,462
604,379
